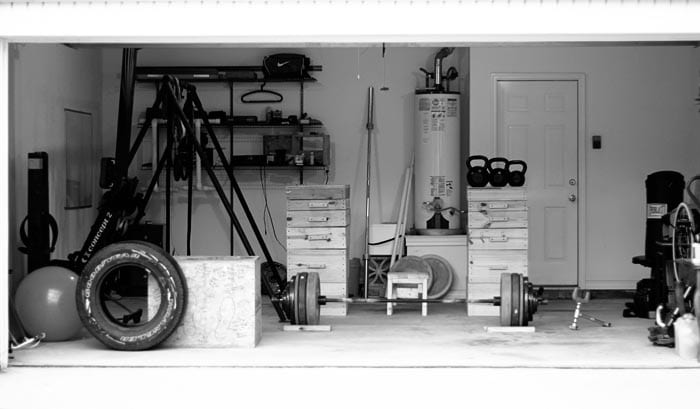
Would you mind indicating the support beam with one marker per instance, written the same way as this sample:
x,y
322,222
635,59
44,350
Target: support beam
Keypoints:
x,y
4,196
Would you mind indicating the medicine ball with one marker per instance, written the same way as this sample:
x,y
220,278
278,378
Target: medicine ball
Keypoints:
x,y
516,177
477,175
498,177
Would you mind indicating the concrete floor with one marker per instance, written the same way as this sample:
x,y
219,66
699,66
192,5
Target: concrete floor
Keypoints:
x,y
371,360
367,337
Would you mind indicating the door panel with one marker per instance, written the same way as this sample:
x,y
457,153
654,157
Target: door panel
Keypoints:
x,y
537,121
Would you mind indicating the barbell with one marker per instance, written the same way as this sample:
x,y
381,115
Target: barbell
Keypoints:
x,y
518,301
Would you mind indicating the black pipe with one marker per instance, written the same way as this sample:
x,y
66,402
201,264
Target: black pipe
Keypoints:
x,y
190,176
144,129
126,108
168,168
156,176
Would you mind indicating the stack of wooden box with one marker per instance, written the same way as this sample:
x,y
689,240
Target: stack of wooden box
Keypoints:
x,y
318,219
497,242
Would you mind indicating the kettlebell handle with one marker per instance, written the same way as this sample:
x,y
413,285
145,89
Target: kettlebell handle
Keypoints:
x,y
495,160
517,162
476,157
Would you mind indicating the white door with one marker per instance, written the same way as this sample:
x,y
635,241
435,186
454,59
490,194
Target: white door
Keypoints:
x,y
537,121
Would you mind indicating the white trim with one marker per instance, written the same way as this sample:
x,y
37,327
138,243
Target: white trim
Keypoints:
x,y
4,197
580,79
610,284
333,22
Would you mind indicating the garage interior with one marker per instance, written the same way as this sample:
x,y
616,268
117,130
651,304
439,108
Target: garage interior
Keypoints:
x,y
629,109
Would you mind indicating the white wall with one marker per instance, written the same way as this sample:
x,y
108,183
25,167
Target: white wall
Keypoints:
x,y
45,80
339,99
640,100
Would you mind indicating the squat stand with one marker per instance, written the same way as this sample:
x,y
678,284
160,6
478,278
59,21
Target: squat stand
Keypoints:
x,y
578,314
121,206
167,101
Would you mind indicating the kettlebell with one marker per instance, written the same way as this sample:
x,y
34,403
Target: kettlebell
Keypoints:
x,y
516,178
477,175
498,177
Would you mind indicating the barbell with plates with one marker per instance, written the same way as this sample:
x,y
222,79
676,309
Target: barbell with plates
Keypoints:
x,y
518,300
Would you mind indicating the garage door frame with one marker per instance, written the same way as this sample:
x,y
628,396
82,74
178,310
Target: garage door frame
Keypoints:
x,y
47,21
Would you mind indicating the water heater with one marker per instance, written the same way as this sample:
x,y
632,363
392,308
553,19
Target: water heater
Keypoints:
x,y
437,152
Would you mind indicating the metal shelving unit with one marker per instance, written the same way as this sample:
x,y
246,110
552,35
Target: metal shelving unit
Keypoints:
x,y
231,75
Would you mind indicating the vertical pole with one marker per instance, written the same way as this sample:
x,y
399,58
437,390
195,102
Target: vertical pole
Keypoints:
x,y
4,200
370,127
126,108
230,156
168,168
465,86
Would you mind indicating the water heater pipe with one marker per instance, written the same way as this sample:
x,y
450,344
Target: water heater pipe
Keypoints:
x,y
444,52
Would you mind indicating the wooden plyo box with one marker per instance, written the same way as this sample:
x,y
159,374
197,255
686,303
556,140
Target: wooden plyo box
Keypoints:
x,y
498,242
318,220
224,308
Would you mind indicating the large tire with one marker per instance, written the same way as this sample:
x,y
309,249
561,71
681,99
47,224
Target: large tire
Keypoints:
x,y
163,269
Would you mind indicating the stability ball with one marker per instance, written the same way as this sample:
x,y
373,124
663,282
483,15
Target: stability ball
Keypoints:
x,y
45,302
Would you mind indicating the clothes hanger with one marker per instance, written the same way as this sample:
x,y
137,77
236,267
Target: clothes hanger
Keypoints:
x,y
279,97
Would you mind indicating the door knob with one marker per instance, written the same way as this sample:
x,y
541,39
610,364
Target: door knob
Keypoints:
x,y
572,197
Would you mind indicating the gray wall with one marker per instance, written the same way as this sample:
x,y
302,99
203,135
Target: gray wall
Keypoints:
x,y
45,80
640,99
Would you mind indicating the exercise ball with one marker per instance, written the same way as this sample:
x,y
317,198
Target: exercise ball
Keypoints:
x,y
45,302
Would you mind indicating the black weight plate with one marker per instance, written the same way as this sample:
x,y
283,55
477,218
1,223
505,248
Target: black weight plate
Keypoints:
x,y
523,301
303,279
506,296
292,300
313,290
515,300
531,302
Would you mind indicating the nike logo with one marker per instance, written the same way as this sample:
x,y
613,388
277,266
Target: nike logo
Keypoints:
x,y
282,64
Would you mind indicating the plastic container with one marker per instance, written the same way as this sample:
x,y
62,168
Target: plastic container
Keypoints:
x,y
686,329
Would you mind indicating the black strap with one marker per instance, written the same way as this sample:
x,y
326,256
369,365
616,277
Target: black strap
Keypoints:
x,y
189,209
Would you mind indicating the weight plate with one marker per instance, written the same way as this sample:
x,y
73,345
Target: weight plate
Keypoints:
x,y
303,279
443,276
313,290
515,300
297,317
291,300
414,263
505,299
531,302
523,300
